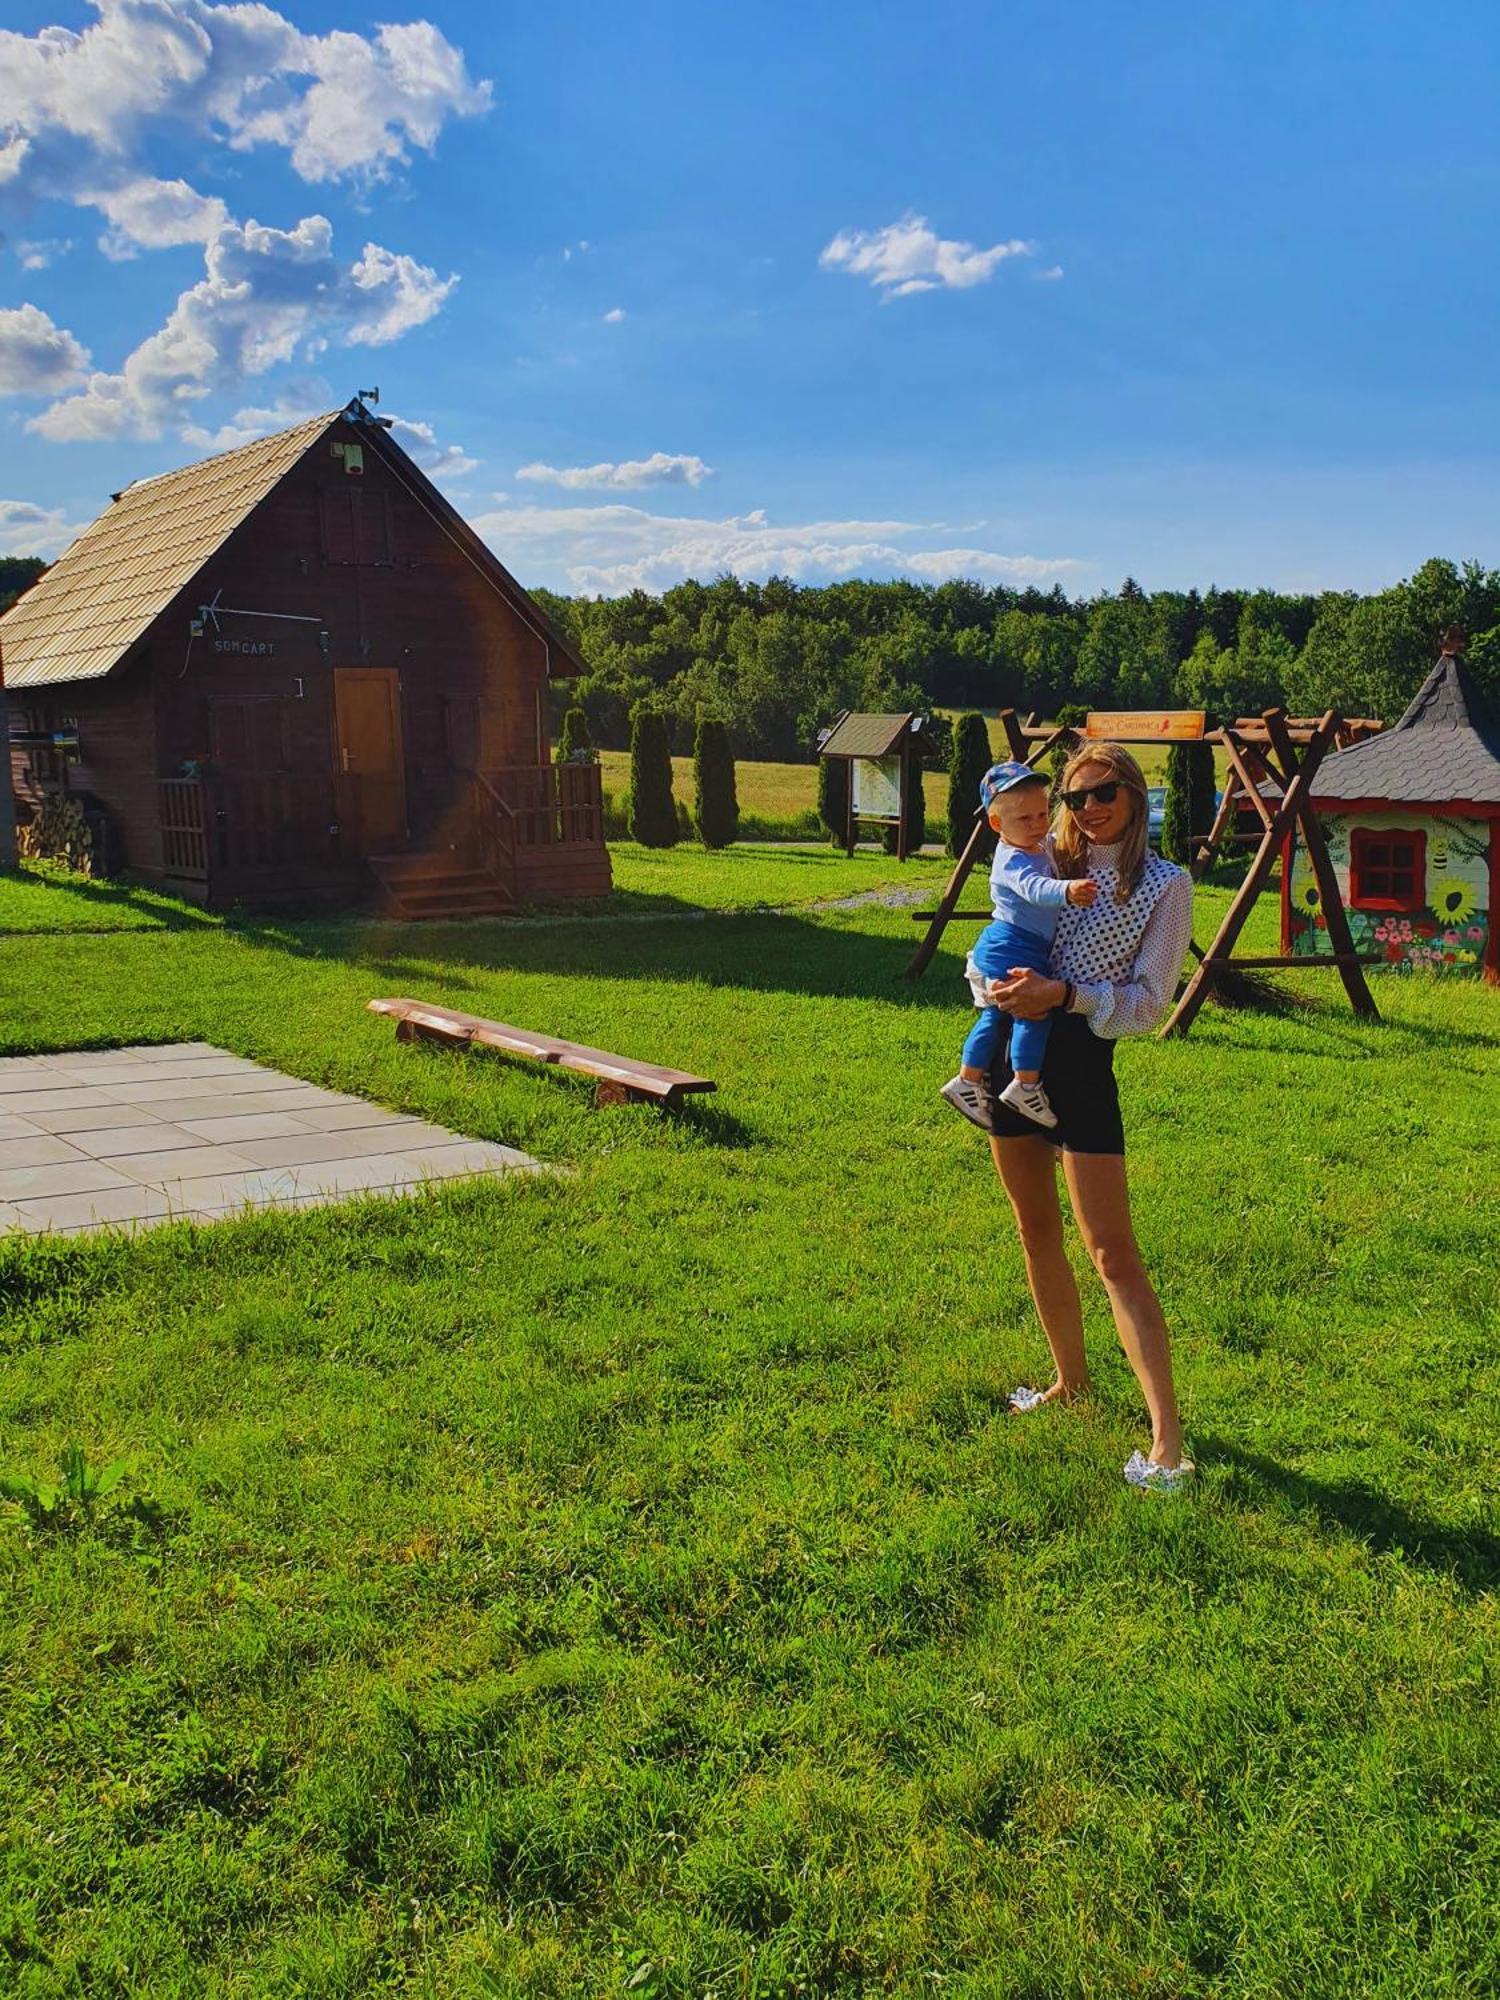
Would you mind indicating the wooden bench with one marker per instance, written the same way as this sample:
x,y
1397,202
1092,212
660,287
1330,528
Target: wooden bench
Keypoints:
x,y
620,1080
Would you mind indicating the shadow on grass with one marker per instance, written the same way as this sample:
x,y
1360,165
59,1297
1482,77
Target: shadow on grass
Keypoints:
x,y
94,893
1470,1555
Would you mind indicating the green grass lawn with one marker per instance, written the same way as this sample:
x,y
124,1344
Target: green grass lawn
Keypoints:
x,y
629,1582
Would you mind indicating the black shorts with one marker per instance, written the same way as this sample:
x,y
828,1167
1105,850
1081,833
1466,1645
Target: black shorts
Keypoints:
x,y
1078,1075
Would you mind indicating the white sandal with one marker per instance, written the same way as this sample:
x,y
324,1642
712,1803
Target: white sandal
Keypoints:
x,y
1148,1477
1023,1399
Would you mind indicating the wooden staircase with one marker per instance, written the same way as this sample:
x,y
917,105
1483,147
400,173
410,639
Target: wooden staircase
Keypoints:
x,y
440,887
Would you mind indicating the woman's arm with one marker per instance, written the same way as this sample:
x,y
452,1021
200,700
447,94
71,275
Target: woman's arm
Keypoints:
x,y
1134,1005
1131,1006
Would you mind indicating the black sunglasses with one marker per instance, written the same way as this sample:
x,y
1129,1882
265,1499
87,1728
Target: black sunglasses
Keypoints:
x,y
1103,795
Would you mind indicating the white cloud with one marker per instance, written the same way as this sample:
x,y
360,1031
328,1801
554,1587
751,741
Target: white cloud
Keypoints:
x,y
267,293
36,256
419,442
37,357
78,114
1048,277
616,548
29,530
660,469
907,256
614,316
342,105
147,214
257,421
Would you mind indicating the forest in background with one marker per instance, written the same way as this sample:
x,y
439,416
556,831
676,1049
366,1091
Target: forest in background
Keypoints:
x,y
776,661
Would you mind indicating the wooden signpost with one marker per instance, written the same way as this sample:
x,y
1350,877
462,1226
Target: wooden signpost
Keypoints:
x,y
1272,747
878,752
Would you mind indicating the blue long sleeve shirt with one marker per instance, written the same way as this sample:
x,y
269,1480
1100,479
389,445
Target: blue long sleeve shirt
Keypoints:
x,y
1025,892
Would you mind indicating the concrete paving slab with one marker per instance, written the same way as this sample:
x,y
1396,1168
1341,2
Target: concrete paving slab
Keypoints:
x,y
168,1051
91,1118
158,1136
182,1163
93,1211
340,1117
259,1125
22,1184
40,1150
66,1097
14,1127
364,1142
221,1105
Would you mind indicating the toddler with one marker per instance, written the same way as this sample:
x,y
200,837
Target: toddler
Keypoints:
x,y
1027,897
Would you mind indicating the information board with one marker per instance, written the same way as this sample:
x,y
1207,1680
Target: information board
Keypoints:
x,y
877,787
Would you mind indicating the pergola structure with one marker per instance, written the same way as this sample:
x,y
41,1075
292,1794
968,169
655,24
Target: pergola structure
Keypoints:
x,y
1274,746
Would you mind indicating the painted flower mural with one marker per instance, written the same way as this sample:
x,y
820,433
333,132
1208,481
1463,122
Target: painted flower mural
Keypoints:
x,y
1454,902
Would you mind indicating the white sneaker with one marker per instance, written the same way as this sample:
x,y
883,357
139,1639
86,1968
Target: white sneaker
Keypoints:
x,y
1150,1477
971,1100
1030,1100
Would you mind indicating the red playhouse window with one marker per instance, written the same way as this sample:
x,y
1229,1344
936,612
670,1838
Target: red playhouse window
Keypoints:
x,y
1387,870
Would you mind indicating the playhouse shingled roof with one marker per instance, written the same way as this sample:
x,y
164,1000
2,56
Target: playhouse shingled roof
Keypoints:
x,y
80,617
1446,747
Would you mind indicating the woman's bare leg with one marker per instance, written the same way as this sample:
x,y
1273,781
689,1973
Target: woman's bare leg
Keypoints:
x,y
1028,1172
1101,1203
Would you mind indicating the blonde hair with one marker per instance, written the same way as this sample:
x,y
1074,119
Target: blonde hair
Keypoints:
x,y
1070,846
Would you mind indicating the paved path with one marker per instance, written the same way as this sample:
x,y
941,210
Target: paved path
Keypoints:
x,y
138,1136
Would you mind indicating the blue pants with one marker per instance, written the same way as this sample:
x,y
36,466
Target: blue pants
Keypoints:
x,y
999,947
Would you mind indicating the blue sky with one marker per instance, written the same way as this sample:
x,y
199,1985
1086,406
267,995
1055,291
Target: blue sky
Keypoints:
x,y
1030,292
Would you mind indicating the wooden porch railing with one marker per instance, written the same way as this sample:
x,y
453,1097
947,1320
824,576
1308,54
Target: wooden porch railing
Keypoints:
x,y
551,803
184,840
232,824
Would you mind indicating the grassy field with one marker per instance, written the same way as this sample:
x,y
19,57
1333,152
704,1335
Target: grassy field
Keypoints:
x,y
629,1581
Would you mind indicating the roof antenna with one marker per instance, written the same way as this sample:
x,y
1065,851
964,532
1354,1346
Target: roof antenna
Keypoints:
x,y
368,395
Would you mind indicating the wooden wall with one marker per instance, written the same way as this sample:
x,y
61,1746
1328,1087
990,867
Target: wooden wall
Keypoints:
x,y
377,582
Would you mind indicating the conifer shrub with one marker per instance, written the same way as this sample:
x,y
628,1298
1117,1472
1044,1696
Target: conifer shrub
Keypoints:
x,y
575,745
1177,815
967,764
715,806
833,797
653,810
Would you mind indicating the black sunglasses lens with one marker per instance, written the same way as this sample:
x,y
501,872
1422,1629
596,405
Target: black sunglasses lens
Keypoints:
x,y
1103,795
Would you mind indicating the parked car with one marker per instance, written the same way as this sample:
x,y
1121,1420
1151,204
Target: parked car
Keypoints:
x,y
1156,809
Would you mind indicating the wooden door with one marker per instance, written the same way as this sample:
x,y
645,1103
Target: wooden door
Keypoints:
x,y
368,758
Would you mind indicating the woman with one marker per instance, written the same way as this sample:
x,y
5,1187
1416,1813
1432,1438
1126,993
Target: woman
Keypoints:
x,y
1114,967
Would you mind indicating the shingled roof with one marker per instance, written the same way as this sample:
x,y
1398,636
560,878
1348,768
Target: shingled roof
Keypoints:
x,y
81,617
865,735
1446,747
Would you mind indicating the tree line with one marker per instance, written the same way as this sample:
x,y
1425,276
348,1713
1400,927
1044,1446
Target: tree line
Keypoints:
x,y
777,661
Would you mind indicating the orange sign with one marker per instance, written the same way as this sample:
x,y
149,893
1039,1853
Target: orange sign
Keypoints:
x,y
1145,725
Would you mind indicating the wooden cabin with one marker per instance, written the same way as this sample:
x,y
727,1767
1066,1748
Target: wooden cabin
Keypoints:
x,y
1412,818
293,674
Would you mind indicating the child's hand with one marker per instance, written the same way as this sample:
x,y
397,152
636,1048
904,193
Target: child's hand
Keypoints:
x,y
1083,891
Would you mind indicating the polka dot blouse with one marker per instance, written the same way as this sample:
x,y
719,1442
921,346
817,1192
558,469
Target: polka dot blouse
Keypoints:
x,y
1125,959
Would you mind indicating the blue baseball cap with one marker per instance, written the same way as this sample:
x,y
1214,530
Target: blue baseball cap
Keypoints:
x,y
1004,778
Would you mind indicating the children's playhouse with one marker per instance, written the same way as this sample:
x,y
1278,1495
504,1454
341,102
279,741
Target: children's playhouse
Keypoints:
x,y
1413,824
